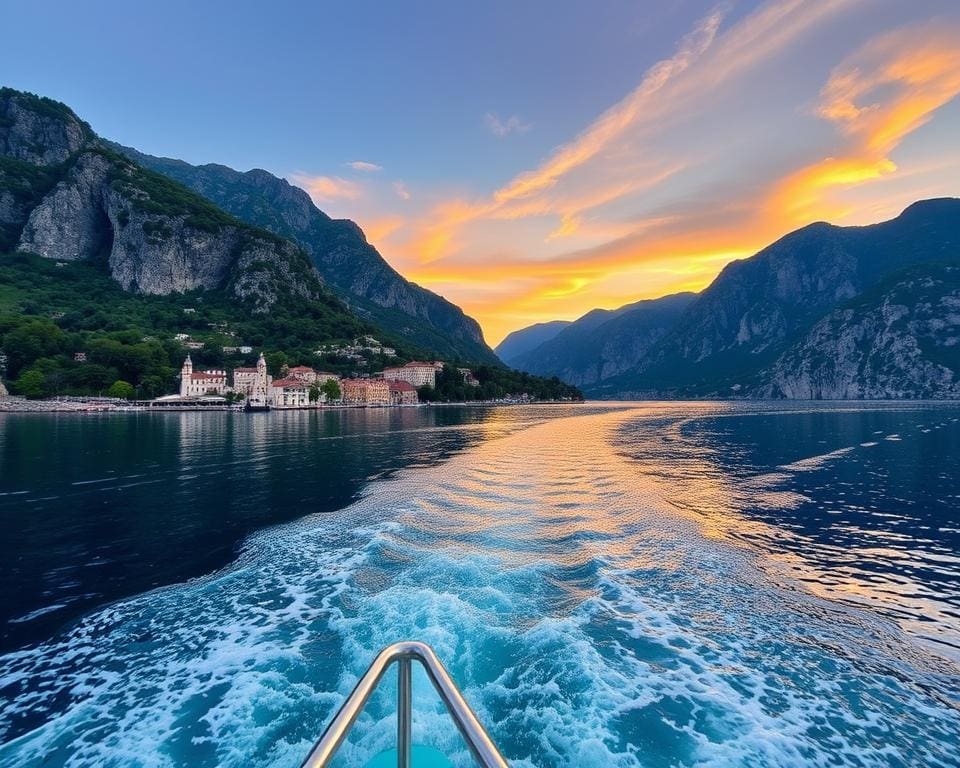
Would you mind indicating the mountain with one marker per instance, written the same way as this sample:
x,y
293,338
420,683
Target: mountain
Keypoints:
x,y
64,195
899,339
605,343
520,342
730,340
350,265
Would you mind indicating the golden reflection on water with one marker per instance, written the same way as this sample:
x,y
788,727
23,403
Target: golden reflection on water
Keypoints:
x,y
576,490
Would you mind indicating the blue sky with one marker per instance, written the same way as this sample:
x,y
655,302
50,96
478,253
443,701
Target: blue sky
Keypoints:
x,y
531,160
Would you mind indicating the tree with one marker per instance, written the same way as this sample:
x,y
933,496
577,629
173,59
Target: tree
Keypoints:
x,y
314,393
121,388
276,362
331,389
30,384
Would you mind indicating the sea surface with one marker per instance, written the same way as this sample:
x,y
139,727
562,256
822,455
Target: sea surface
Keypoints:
x,y
651,584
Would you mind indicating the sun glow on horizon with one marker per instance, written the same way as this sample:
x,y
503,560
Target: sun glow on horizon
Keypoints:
x,y
738,137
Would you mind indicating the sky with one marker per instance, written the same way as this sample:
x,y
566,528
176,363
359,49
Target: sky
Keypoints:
x,y
531,161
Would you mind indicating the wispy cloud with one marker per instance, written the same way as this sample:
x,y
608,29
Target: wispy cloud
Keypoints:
x,y
401,190
502,128
327,188
364,167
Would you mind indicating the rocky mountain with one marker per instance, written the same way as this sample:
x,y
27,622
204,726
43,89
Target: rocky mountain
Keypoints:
x,y
901,339
728,340
65,195
814,315
520,342
350,265
605,343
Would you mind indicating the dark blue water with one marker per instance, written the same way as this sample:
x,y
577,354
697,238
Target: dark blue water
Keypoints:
x,y
675,584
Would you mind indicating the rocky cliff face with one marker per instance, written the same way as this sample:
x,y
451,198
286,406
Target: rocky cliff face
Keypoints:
x,y
901,340
69,197
39,131
350,265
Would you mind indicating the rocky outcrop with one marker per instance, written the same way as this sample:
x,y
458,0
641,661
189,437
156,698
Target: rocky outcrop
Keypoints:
x,y
70,222
350,265
899,341
151,234
37,130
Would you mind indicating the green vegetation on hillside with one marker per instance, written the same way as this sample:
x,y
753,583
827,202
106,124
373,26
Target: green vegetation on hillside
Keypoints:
x,y
495,383
50,311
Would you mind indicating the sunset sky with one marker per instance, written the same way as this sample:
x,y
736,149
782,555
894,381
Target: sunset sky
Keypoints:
x,y
532,160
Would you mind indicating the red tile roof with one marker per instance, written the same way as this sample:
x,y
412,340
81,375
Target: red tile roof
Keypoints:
x,y
205,375
401,386
289,384
301,369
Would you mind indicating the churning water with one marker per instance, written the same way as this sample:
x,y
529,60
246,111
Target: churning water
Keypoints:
x,y
651,585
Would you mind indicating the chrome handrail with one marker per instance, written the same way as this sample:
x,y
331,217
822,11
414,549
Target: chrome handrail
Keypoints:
x,y
404,654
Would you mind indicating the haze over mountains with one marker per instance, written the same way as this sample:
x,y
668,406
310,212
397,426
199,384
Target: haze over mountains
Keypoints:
x,y
824,312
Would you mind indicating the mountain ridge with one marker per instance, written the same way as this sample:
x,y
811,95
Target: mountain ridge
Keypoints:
x,y
338,248
730,340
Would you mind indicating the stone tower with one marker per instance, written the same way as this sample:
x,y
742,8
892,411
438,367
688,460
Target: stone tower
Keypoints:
x,y
186,374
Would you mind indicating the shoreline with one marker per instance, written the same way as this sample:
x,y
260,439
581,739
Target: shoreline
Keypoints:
x,y
98,406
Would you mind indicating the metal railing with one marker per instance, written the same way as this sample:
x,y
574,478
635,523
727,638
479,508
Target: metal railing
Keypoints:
x,y
404,654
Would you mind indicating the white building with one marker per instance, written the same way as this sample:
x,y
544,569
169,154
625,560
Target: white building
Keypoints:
x,y
416,373
289,393
196,383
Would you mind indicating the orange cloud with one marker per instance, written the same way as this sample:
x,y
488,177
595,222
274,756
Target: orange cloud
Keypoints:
x,y
324,189
649,198
878,96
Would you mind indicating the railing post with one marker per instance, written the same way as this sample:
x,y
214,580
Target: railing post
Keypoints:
x,y
404,711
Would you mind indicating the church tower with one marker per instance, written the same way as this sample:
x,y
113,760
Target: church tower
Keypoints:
x,y
186,377
260,393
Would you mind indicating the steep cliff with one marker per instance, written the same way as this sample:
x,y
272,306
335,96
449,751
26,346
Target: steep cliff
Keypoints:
x,y
64,195
901,339
350,265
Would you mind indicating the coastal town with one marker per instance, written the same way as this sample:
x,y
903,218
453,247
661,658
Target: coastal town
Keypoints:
x,y
254,388
302,386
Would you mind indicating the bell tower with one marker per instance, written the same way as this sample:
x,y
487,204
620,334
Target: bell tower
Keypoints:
x,y
186,376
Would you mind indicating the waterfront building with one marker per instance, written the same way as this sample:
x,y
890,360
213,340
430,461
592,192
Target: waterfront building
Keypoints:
x,y
246,380
365,391
415,372
289,393
324,376
402,393
195,383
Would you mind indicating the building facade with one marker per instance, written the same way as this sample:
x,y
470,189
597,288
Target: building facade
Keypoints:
x,y
402,393
417,373
289,393
196,383
365,391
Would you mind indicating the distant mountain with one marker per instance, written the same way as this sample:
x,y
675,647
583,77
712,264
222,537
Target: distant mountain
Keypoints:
x,y
522,341
350,265
64,195
732,339
604,343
